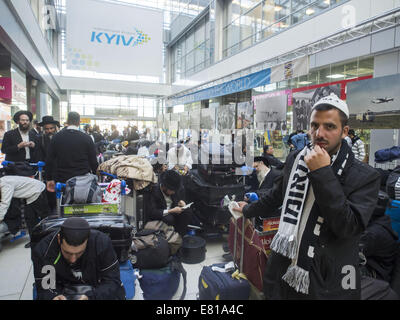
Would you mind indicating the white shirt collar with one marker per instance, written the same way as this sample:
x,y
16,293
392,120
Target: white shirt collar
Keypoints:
x,y
73,128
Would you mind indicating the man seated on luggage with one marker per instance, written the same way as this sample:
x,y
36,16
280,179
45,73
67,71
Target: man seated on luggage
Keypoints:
x,y
17,187
180,158
166,202
76,256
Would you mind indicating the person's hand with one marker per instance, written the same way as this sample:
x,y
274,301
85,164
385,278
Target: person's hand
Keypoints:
x,y
23,145
60,297
241,206
31,144
186,169
177,210
51,186
83,297
317,158
181,203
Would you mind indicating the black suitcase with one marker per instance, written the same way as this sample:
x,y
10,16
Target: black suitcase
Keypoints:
x,y
218,175
114,226
211,215
214,285
199,190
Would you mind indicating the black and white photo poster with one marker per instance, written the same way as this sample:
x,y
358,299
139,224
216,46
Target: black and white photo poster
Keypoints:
x,y
226,117
271,111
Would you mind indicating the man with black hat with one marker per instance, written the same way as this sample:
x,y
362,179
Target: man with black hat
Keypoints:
x,y
50,128
166,202
20,144
80,260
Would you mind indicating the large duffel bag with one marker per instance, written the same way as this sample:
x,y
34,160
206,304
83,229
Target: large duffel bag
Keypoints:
x,y
150,250
216,285
163,283
198,189
119,232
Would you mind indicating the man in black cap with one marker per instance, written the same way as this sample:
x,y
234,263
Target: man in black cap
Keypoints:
x,y
166,202
265,174
269,154
20,144
76,256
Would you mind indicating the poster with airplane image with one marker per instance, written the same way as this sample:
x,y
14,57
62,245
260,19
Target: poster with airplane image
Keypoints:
x,y
374,103
271,112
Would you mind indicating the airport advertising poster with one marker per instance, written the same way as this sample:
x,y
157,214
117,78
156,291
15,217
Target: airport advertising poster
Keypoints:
x,y
374,103
114,38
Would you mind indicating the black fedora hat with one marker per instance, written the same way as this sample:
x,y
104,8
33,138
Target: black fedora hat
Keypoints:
x,y
171,180
21,112
48,120
263,159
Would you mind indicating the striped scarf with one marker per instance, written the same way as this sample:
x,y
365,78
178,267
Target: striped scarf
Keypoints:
x,y
300,221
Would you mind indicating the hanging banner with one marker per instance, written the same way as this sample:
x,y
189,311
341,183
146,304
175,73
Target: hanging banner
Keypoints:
x,y
250,81
114,38
289,70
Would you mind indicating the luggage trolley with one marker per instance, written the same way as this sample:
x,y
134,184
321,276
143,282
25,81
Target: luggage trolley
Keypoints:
x,y
65,210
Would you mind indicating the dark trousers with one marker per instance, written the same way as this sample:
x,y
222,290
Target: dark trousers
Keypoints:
x,y
33,213
36,211
179,221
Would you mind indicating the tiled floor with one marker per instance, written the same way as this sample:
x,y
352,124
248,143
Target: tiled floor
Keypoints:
x,y
17,273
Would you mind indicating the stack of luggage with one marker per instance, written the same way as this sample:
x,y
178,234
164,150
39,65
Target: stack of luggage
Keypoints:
x,y
210,183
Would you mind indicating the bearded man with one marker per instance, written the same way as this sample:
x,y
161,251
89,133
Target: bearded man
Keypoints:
x,y
20,144
327,198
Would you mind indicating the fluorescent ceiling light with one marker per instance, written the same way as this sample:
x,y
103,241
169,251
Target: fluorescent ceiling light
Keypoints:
x,y
335,76
305,82
328,2
310,11
278,8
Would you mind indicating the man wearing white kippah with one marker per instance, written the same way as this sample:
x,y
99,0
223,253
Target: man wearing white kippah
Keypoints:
x,y
327,199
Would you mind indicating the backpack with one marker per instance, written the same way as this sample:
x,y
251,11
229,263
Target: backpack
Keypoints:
x,y
150,250
83,189
388,154
19,169
173,238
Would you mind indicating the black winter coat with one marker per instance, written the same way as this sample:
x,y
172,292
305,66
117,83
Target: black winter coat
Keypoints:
x,y
99,266
9,147
346,206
